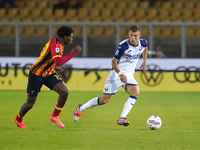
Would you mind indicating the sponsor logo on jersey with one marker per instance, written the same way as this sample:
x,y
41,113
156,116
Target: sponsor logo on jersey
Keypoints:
x,y
129,58
57,50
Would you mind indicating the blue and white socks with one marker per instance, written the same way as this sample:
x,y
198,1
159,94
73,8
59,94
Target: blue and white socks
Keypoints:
x,y
91,103
128,106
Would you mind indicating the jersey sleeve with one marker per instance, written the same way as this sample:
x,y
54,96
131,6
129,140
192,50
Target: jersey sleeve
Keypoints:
x,y
55,49
144,42
119,52
56,54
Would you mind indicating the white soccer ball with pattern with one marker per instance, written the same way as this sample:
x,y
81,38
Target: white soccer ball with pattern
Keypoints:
x,y
154,122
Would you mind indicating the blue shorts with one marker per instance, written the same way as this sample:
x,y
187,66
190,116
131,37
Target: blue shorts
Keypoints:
x,y
35,83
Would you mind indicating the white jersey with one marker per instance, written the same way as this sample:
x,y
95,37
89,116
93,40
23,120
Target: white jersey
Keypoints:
x,y
128,55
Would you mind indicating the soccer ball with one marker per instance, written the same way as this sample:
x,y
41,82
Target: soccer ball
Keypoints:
x,y
154,122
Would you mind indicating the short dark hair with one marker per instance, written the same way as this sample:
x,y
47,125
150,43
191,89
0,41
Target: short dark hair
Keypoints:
x,y
64,30
135,28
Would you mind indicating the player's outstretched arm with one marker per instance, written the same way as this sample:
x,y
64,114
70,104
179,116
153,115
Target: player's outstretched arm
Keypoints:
x,y
61,60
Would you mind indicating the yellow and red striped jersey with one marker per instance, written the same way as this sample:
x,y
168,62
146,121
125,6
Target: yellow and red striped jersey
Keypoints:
x,y
44,65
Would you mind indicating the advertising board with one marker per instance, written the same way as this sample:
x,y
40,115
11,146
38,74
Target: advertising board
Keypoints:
x,y
89,74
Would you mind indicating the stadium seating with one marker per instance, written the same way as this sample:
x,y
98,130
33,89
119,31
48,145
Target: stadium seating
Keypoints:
x,y
31,4
7,31
94,13
124,31
12,13
152,14
28,31
24,13
35,13
42,5
121,5
70,14
99,5
144,5
190,32
41,31
178,5
117,14
109,31
108,11
163,15
111,5
2,12
78,32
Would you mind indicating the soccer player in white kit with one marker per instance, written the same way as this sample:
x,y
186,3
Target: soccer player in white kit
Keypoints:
x,y
123,68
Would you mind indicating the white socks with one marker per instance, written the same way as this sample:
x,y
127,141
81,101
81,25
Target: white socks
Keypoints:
x,y
91,103
128,106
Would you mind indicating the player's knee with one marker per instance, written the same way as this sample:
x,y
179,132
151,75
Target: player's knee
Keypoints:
x,y
64,94
137,94
29,105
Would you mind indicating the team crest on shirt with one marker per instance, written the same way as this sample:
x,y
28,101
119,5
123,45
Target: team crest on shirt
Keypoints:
x,y
57,50
105,89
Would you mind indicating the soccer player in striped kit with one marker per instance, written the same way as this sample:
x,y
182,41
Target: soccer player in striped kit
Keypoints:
x,y
43,72
124,62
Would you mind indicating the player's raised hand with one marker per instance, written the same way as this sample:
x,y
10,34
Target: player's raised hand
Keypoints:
x,y
77,49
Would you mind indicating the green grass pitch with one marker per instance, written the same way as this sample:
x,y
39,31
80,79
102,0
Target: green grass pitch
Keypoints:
x,y
97,128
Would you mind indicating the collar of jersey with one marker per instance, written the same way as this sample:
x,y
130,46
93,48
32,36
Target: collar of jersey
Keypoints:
x,y
132,45
60,41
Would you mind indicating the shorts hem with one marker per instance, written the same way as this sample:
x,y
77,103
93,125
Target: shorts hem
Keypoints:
x,y
109,93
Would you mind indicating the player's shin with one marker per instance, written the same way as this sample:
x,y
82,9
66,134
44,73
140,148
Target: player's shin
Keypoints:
x,y
57,111
91,103
128,106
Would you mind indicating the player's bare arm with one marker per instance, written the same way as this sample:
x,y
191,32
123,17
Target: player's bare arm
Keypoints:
x,y
123,77
143,65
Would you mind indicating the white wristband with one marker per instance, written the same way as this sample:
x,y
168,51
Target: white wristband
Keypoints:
x,y
119,73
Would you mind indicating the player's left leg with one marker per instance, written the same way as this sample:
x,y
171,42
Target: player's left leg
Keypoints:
x,y
133,91
63,92
54,82
91,103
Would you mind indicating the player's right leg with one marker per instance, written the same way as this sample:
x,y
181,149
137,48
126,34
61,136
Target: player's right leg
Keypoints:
x,y
133,90
91,103
122,121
